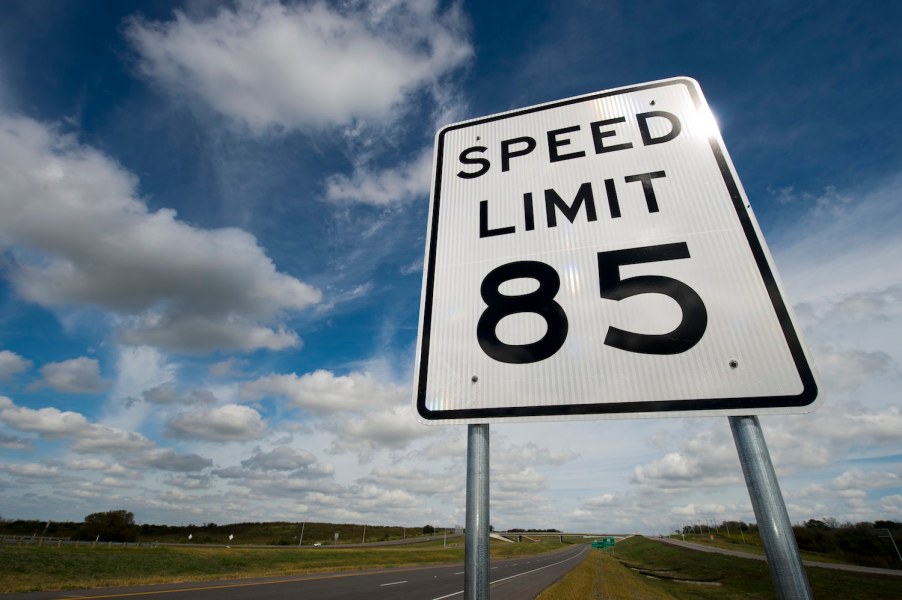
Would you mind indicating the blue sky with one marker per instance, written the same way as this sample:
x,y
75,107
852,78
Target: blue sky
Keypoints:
x,y
212,235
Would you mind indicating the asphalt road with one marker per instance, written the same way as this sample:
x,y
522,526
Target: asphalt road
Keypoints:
x,y
511,579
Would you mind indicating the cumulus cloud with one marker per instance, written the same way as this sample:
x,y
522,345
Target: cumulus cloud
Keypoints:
x,y
56,424
415,480
31,471
707,459
322,392
74,376
226,368
166,394
850,368
231,422
190,482
869,428
47,422
12,364
11,442
280,458
167,459
99,438
80,235
391,429
274,67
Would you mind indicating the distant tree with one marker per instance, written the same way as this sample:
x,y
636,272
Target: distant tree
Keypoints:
x,y
816,524
887,525
111,526
428,529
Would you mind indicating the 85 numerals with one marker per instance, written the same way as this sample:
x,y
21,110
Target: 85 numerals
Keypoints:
x,y
611,286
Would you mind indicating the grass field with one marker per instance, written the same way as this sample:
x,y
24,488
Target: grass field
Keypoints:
x,y
31,568
645,569
750,543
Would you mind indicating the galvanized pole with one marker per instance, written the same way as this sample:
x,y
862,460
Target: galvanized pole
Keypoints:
x,y
889,534
790,580
476,547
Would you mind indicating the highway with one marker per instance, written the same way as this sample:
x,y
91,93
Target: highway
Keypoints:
x,y
510,579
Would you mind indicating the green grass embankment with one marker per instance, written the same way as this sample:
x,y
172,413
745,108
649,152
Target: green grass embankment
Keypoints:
x,y
642,568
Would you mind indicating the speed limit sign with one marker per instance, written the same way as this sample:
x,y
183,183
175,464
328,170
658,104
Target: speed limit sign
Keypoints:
x,y
596,257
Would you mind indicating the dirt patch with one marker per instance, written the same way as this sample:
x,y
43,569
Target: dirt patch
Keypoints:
x,y
670,575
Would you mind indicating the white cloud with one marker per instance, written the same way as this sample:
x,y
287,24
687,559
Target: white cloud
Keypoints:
x,y
231,422
673,466
12,364
280,458
190,482
53,423
48,422
81,236
269,66
323,392
74,376
226,368
98,439
11,442
390,429
416,480
390,186
31,471
707,459
167,459
524,480
851,368
166,394
874,427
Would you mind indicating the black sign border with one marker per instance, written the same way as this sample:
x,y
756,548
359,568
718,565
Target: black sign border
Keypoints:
x,y
612,409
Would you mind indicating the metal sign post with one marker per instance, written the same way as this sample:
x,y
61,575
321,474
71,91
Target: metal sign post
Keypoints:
x,y
476,548
790,580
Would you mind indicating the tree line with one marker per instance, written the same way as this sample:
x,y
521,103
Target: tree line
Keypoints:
x,y
866,543
120,526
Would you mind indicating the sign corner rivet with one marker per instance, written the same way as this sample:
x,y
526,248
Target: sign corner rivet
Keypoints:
x,y
474,379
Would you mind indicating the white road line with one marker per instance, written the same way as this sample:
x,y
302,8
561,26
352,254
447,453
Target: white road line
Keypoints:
x,y
393,583
517,575
539,569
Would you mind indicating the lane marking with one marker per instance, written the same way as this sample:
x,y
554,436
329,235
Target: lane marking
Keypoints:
x,y
578,554
238,585
393,583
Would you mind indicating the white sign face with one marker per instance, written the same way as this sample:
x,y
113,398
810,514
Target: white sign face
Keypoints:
x,y
596,257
